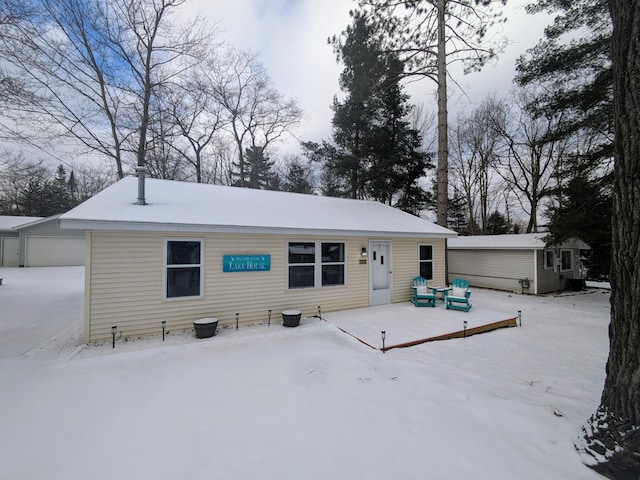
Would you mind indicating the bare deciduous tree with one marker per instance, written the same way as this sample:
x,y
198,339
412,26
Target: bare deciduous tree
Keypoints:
x,y
530,152
259,115
91,68
473,158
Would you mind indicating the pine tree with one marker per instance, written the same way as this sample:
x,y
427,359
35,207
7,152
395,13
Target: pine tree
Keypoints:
x,y
375,153
258,170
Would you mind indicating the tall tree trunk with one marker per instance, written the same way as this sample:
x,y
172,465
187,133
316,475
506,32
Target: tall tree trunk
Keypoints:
x,y
443,141
621,393
620,403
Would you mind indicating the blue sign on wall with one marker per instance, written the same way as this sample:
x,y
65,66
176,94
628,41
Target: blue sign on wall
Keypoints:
x,y
246,263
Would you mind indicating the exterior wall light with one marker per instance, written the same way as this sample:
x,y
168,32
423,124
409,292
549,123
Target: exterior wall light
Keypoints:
x,y
363,252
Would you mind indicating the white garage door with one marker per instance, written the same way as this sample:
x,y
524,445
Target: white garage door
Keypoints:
x,y
10,251
54,251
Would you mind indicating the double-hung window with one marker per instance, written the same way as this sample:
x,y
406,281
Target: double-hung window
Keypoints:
x,y
425,261
316,264
183,268
549,258
566,262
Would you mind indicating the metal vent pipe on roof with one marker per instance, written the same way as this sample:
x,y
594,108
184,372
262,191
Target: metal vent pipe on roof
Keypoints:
x,y
140,172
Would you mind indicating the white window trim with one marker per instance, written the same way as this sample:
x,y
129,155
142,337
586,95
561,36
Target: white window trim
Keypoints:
x,y
544,259
570,257
433,258
317,266
166,241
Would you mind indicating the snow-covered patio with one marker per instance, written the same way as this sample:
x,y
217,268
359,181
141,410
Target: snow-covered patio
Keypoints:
x,y
406,324
308,402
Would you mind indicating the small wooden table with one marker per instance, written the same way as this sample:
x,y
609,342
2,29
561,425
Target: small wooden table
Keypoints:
x,y
440,291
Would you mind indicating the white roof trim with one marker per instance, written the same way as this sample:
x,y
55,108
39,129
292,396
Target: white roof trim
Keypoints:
x,y
190,228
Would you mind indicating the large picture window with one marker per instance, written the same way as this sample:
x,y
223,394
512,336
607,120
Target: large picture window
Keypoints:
x,y
425,261
183,268
315,264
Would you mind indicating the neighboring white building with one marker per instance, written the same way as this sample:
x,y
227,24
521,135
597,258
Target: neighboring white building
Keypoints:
x,y
198,250
518,263
39,242
10,239
44,244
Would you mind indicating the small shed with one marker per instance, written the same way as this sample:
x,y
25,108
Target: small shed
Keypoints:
x,y
519,263
44,244
10,238
190,251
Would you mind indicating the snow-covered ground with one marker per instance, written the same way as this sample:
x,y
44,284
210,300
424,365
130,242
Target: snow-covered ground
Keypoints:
x,y
308,402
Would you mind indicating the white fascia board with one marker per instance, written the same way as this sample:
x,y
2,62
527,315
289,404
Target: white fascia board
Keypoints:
x,y
77,224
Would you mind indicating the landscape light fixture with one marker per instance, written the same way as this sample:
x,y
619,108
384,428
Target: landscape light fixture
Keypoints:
x,y
237,319
269,324
384,335
114,328
319,312
164,325
464,333
520,318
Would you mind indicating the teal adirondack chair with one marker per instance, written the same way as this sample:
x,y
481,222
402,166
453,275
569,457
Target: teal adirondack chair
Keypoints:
x,y
423,295
457,298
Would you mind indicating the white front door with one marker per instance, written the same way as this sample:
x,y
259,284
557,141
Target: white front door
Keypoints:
x,y
380,272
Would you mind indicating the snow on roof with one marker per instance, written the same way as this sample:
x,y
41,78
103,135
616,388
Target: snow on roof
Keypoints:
x,y
8,222
39,220
523,241
191,207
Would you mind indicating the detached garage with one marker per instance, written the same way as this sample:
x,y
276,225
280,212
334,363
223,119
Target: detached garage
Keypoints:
x,y
516,263
44,244
10,238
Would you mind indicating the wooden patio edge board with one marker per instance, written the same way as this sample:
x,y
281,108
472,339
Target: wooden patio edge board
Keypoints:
x,y
510,322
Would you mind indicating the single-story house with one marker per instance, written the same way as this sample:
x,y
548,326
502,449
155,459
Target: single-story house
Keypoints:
x,y
44,244
10,238
519,263
187,251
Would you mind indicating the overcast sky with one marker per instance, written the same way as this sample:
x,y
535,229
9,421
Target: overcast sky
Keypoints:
x,y
291,38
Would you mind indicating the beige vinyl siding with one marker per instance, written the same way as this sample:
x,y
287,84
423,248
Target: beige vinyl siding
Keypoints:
x,y
498,269
124,285
405,265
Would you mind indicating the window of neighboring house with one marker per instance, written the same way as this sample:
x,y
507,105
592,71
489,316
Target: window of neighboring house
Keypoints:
x,y
566,260
315,264
425,261
549,258
183,268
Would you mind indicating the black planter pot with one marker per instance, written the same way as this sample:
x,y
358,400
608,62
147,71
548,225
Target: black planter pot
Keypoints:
x,y
205,327
291,318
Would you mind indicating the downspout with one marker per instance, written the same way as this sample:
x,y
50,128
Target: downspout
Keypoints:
x,y
535,270
140,172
